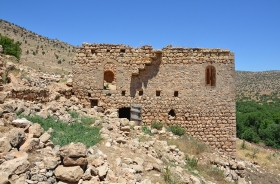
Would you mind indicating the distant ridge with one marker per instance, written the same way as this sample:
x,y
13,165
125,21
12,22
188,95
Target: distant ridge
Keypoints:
x,y
40,52
253,84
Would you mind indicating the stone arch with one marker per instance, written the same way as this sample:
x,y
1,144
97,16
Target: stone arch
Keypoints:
x,y
210,76
109,75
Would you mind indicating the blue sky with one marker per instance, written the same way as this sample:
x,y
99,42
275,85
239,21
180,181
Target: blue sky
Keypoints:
x,y
249,28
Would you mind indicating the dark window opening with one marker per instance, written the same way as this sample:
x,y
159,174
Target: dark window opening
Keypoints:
x,y
122,50
171,113
108,50
210,76
176,93
140,93
157,93
123,93
89,94
93,103
124,113
93,51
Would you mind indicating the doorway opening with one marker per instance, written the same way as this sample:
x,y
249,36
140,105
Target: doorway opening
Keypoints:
x,y
93,103
124,112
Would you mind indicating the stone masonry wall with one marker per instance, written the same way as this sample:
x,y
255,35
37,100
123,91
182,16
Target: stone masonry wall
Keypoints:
x,y
206,112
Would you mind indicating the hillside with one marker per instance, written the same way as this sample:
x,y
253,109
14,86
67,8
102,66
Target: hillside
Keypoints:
x,y
39,52
251,85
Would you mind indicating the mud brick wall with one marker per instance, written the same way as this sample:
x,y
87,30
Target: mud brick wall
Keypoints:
x,y
170,84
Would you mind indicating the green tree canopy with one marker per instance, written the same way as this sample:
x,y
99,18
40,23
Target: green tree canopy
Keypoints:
x,y
10,47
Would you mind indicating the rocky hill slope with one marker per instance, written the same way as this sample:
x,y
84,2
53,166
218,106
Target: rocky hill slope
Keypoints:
x,y
254,84
39,52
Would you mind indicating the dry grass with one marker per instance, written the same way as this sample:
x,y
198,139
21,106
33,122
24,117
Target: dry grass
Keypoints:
x,y
265,157
188,145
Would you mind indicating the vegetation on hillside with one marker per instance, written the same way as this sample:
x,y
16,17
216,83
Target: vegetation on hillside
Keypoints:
x,y
259,121
10,47
63,134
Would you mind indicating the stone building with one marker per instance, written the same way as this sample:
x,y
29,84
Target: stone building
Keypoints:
x,y
191,87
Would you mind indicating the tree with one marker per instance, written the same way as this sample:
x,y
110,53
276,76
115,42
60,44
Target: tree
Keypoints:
x,y
10,47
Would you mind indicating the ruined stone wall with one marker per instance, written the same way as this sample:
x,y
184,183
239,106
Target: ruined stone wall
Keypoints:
x,y
30,94
207,112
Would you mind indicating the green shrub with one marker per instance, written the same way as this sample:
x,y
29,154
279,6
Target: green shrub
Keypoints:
x,y
177,130
146,130
157,125
10,47
86,120
192,162
73,114
64,134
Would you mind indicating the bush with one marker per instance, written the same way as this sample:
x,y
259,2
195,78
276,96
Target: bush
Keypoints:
x,y
64,134
10,47
192,162
177,130
157,125
73,114
146,130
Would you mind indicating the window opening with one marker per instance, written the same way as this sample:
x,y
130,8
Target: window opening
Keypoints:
x,y
89,94
122,50
93,103
141,93
176,93
157,93
93,51
108,50
210,76
123,93
171,114
124,113
108,79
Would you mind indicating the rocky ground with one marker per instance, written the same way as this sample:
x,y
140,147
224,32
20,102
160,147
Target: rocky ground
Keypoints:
x,y
125,155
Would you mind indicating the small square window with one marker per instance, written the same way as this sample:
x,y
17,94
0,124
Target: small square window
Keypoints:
x,y
157,93
89,94
108,50
140,93
93,103
123,93
176,93
122,50
93,51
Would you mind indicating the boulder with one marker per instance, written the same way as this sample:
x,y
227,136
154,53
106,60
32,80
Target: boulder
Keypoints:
x,y
36,130
5,145
50,162
22,123
71,174
45,137
3,96
69,82
102,170
15,166
68,161
16,136
4,178
73,150
30,144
